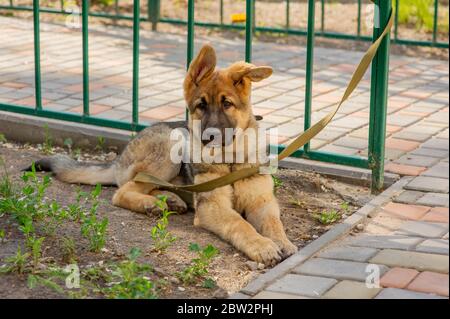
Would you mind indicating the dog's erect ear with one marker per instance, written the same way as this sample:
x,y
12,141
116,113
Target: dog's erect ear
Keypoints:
x,y
252,72
203,65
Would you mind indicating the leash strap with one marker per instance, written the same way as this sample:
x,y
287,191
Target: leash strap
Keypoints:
x,y
301,140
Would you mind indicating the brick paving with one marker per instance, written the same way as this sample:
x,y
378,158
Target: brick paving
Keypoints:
x,y
405,241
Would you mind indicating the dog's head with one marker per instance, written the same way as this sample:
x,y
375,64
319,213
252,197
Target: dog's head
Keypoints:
x,y
220,98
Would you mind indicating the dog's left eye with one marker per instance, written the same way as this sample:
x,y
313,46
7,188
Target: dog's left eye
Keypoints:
x,y
227,104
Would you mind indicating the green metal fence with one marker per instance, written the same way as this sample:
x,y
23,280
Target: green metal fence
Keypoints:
x,y
154,16
379,84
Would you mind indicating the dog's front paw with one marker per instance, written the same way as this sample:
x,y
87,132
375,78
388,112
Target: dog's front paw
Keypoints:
x,y
265,251
287,248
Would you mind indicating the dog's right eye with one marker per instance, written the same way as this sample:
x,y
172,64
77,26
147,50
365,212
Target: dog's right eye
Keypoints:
x,y
201,105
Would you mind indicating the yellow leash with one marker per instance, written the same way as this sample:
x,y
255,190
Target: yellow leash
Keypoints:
x,y
304,138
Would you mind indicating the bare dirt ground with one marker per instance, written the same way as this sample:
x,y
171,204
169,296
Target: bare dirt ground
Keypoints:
x,y
301,196
340,16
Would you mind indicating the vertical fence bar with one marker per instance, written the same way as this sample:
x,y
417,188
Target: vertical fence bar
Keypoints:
x,y
11,3
288,14
61,5
309,65
37,55
85,40
397,7
190,39
435,20
221,12
136,28
358,30
190,33
322,16
116,7
154,7
378,98
250,9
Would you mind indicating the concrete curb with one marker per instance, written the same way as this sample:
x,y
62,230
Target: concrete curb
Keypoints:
x,y
323,241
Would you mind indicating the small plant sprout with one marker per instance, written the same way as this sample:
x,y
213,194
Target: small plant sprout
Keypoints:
x,y
2,235
162,238
131,279
68,143
101,141
91,227
327,217
47,145
3,138
16,263
277,182
198,267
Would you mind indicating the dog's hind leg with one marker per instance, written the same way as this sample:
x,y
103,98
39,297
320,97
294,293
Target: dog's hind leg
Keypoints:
x,y
174,202
142,198
136,197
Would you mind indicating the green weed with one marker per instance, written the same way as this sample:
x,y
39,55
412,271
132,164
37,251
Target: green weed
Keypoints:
x,y
162,238
198,267
327,217
47,145
131,280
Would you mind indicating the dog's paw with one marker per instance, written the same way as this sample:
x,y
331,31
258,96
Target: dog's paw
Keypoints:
x,y
287,248
177,205
265,251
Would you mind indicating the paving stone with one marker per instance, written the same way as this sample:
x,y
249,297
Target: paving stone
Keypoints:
x,y
440,170
409,259
417,160
434,199
403,211
429,184
422,151
437,143
434,246
384,241
403,145
302,285
404,170
398,277
422,229
336,269
409,197
430,282
277,295
438,215
394,293
351,290
360,254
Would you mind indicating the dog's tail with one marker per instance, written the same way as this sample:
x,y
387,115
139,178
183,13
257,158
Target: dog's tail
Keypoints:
x,y
71,171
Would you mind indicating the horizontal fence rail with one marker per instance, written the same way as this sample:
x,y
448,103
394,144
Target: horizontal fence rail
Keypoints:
x,y
154,16
379,83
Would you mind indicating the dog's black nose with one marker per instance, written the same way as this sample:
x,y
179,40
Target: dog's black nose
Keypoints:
x,y
211,135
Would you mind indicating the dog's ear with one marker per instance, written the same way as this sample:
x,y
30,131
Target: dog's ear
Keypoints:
x,y
203,65
252,72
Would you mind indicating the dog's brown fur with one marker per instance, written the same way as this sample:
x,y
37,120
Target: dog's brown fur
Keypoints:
x,y
246,214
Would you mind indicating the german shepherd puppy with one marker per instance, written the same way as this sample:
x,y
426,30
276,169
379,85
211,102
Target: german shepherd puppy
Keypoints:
x,y
246,214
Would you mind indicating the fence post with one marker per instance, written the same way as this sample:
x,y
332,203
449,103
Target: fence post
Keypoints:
x,y
378,98
154,10
136,29
85,41
435,20
250,10
37,55
309,66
